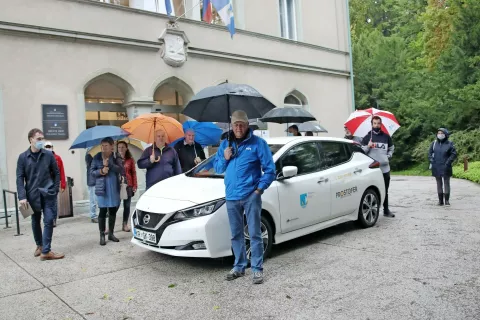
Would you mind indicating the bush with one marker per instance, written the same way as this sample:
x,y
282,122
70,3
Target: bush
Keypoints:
x,y
467,143
472,174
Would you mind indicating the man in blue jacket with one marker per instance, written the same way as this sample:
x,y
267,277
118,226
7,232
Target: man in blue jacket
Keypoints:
x,y
243,157
38,182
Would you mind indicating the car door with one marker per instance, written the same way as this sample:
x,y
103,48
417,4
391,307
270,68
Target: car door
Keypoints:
x,y
344,174
303,200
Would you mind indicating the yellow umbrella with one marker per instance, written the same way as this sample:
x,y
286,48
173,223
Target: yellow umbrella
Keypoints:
x,y
143,128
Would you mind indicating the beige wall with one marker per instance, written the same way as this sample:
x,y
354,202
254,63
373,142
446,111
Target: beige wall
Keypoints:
x,y
39,70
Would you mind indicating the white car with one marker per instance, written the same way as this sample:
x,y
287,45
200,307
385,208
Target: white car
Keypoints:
x,y
321,182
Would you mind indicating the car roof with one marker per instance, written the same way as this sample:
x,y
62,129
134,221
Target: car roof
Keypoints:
x,y
287,140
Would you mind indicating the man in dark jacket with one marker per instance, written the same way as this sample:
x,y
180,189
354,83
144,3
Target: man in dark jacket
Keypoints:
x,y
38,183
91,188
163,163
441,155
350,136
190,153
379,145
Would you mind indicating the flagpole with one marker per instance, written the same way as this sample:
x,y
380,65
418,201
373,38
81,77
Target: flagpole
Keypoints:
x,y
188,10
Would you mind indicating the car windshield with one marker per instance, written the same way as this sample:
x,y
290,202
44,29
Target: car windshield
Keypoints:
x,y
206,169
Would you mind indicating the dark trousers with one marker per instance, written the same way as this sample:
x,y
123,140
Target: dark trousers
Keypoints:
x,y
441,181
112,212
386,178
49,209
126,209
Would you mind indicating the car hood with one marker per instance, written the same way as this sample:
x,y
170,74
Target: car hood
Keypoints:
x,y
189,189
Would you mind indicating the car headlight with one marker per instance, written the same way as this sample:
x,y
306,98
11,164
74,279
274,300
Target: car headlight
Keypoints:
x,y
199,211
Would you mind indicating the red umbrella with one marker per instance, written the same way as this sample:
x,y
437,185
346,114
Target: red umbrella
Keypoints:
x,y
360,122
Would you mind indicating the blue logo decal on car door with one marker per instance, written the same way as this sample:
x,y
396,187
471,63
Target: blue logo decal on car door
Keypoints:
x,y
303,200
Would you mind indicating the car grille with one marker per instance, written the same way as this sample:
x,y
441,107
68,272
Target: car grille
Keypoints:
x,y
143,216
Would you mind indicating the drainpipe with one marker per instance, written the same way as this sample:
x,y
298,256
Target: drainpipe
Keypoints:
x,y
350,54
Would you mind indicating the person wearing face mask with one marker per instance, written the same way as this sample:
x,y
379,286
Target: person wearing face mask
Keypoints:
x,y
379,146
293,131
38,183
190,153
63,183
441,155
243,158
350,136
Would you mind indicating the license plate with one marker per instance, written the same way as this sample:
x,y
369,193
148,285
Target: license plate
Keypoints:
x,y
145,236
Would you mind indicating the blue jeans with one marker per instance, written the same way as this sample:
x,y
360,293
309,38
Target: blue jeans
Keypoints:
x,y
49,206
252,206
93,202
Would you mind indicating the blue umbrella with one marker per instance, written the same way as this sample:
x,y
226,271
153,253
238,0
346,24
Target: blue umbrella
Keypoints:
x,y
206,133
93,136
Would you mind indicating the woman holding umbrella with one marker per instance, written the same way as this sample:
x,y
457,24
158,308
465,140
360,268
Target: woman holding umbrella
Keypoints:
x,y
131,176
106,169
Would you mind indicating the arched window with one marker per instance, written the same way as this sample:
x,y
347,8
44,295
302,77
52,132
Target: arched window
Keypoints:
x,y
295,99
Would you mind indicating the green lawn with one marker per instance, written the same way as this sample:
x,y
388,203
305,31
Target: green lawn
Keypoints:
x,y
473,173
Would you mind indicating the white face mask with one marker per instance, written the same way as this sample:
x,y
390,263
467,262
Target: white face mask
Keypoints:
x,y
440,136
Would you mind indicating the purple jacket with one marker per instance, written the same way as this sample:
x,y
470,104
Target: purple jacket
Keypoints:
x,y
167,167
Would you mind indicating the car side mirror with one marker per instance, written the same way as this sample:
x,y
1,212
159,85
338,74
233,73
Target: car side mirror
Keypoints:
x,y
289,171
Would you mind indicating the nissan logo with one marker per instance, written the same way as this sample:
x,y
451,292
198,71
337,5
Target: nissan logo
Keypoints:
x,y
146,219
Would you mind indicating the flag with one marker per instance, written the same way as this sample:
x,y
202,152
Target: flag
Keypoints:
x,y
168,7
225,11
207,11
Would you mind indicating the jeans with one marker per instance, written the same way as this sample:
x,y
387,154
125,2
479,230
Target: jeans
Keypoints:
x,y
126,209
386,178
44,239
440,184
252,206
93,202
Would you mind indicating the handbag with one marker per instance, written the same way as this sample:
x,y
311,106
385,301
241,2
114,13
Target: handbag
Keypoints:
x,y
433,154
123,190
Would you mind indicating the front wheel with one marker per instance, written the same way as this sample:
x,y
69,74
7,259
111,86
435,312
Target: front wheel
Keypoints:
x,y
369,209
267,238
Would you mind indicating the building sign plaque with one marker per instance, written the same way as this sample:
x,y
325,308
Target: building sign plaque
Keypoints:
x,y
55,121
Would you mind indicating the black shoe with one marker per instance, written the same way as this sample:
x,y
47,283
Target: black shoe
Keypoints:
x,y
102,239
101,227
257,277
94,220
388,213
233,274
440,199
111,226
447,199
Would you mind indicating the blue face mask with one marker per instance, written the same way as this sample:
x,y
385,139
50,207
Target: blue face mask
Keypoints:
x,y
290,134
40,145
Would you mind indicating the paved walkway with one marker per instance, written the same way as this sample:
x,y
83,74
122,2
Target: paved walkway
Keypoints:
x,y
424,264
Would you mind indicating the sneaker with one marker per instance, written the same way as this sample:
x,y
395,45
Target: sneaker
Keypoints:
x,y
94,220
258,277
234,274
388,213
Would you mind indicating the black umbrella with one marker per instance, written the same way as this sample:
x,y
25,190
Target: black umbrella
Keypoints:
x,y
217,103
310,126
288,115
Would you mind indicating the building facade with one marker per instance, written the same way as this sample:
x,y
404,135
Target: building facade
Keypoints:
x,y
104,62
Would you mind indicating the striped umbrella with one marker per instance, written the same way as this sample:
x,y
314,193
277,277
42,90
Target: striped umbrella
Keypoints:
x,y
360,122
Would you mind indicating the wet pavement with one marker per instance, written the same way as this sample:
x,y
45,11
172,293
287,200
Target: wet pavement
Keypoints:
x,y
423,264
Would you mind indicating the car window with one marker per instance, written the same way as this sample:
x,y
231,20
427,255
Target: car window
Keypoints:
x,y
207,170
304,156
355,147
334,153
